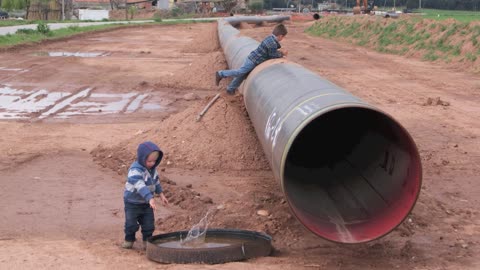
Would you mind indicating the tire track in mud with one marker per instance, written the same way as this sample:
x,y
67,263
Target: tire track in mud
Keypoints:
x,y
34,66
67,202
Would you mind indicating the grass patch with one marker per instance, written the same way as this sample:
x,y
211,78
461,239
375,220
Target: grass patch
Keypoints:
x,y
364,41
24,36
24,22
430,56
444,41
457,49
14,22
392,51
471,57
459,15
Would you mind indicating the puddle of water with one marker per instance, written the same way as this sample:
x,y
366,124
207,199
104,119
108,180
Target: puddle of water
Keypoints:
x,y
210,242
13,69
66,102
135,104
7,90
18,103
197,238
73,54
98,104
152,107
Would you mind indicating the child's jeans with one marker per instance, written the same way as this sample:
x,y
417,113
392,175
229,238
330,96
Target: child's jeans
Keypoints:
x,y
138,215
239,74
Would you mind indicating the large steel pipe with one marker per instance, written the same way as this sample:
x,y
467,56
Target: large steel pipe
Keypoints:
x,y
236,20
349,171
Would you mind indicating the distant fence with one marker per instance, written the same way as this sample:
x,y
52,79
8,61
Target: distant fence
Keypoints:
x,y
284,9
50,11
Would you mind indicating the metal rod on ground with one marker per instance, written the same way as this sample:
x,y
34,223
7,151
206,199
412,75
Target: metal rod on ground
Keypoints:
x,y
199,116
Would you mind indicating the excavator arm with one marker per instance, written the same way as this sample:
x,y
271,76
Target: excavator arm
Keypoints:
x,y
364,7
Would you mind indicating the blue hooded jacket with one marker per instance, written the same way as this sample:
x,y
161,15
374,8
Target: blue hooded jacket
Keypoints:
x,y
141,182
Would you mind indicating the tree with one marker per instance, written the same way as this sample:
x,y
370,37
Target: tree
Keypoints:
x,y
256,7
13,4
229,5
267,4
278,3
412,4
114,4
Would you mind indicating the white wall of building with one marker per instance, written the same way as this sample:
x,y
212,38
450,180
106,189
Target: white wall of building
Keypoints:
x,y
163,4
91,14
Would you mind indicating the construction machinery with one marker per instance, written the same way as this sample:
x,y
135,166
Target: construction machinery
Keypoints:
x,y
366,8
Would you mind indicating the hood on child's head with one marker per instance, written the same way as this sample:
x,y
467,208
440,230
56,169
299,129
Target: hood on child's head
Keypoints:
x,y
145,149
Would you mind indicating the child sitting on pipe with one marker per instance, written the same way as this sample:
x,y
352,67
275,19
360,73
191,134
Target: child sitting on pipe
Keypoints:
x,y
142,183
269,48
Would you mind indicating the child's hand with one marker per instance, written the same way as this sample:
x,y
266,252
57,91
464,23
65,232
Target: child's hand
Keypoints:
x,y
284,52
164,199
152,204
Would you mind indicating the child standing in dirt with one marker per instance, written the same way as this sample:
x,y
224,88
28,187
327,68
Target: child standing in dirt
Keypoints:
x,y
269,48
142,183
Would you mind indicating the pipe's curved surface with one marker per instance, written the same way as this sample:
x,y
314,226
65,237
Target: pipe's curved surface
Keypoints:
x,y
350,172
236,20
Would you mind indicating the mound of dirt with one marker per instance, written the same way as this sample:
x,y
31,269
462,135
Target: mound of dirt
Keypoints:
x,y
223,140
184,197
262,209
117,158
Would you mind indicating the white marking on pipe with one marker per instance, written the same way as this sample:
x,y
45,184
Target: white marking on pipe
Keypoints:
x,y
270,126
65,103
273,128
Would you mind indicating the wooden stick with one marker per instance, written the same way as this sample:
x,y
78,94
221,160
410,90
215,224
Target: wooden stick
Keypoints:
x,y
199,116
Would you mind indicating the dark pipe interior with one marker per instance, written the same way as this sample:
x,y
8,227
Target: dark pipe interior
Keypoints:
x,y
352,175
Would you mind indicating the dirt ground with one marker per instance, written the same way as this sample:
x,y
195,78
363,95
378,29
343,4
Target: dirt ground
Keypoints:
x,y
70,126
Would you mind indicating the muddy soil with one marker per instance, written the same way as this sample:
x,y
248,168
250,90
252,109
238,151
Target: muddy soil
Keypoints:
x,y
66,150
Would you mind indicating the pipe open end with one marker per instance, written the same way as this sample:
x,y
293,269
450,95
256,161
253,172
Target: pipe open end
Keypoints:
x,y
352,175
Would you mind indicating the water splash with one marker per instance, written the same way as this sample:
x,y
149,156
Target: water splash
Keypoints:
x,y
196,235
